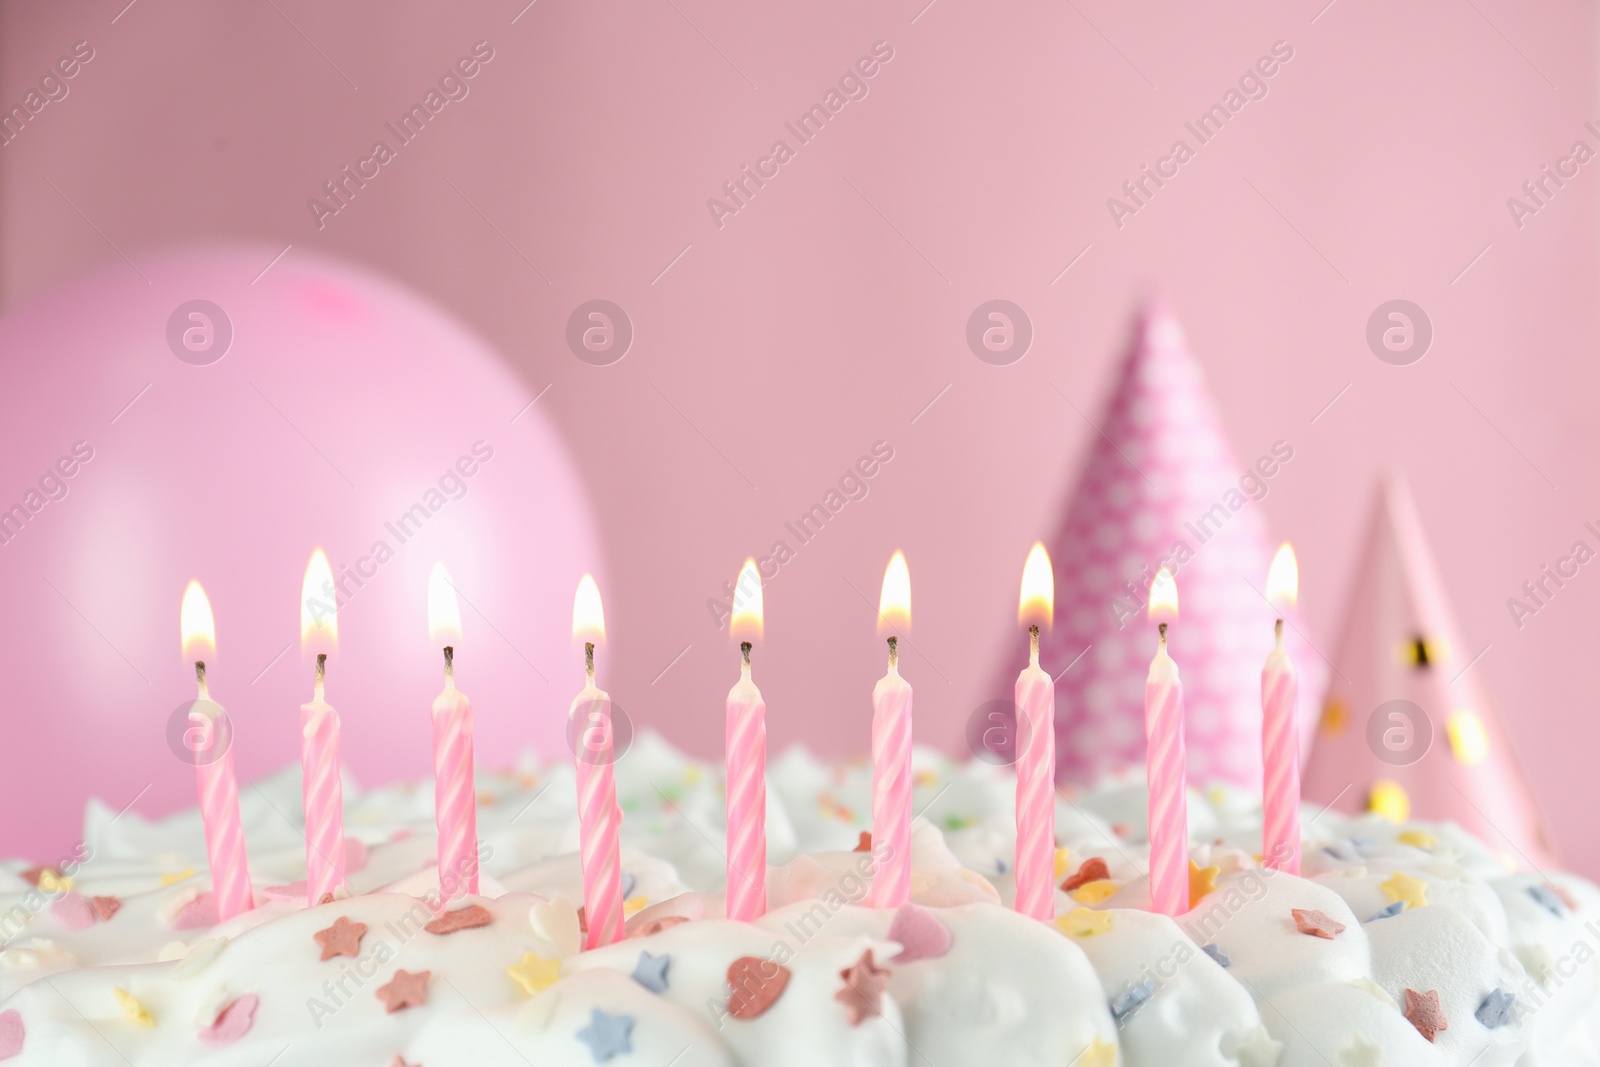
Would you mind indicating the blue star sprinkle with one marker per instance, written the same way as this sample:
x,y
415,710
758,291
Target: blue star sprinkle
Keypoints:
x,y
607,1035
1000,865
1222,958
1495,1011
628,882
651,971
1546,898
1125,1003
1390,912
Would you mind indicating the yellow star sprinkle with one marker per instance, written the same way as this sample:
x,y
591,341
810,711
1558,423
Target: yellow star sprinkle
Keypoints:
x,y
1202,880
53,881
1401,886
1094,892
1063,854
1084,922
1390,800
634,905
181,876
1098,1054
132,1010
535,974
1417,838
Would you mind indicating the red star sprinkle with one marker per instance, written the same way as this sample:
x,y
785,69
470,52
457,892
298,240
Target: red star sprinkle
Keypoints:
x,y
1315,923
33,874
1423,1012
1093,869
404,990
864,842
105,907
864,983
467,918
343,938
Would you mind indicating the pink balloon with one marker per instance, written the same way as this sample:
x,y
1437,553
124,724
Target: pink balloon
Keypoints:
x,y
147,439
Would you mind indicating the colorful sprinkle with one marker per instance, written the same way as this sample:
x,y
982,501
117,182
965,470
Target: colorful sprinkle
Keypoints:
x,y
105,907
467,918
72,912
1546,899
1495,1011
1084,922
1401,888
1389,912
1131,998
757,984
607,1035
864,983
198,914
132,1010
1314,923
404,990
864,842
1202,880
628,882
173,878
232,1022
1063,856
922,936
1094,892
651,971
1222,958
1417,838
12,1033
535,973
343,938
1097,1054
1423,1012
1093,869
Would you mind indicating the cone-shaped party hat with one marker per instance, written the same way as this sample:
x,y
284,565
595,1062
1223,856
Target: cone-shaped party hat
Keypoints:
x,y
1408,729
1161,488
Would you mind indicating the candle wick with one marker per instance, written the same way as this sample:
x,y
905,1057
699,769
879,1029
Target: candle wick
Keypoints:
x,y
1163,635
1033,646
894,653
449,663
744,652
322,670
1277,634
200,679
588,661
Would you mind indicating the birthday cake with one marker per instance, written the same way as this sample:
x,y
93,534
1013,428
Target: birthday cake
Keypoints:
x,y
1401,943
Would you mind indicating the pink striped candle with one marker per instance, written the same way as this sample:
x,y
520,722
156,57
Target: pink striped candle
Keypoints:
x,y
599,818
455,795
747,762
210,742
321,792
891,751
1280,731
1165,765
1036,750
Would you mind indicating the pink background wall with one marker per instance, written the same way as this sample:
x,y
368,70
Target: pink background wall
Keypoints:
x,y
824,316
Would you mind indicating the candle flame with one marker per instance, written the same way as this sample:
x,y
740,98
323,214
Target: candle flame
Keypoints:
x,y
894,601
444,613
588,615
748,608
195,624
1163,597
1037,607
319,618
1283,579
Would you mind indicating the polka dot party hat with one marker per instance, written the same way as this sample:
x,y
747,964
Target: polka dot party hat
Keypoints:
x,y
1408,729
1162,488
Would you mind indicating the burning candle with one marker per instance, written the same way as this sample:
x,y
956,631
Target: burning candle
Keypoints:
x,y
747,761
599,818
455,796
1036,748
1280,729
211,745
321,790
1164,763
891,749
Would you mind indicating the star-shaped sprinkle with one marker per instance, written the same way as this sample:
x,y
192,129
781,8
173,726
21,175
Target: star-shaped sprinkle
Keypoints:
x,y
756,985
232,1022
1389,912
1359,1052
32,876
1401,888
12,1033
174,877
1314,923
1084,922
1202,880
1094,892
1258,1049
343,938
1222,958
651,971
864,983
535,973
1093,869
1097,1054
1417,839
105,907
634,905
51,880
1131,998
1495,1011
404,990
467,918
133,1011
607,1035
864,842
1423,1012
1544,897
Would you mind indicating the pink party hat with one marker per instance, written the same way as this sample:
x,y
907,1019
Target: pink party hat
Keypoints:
x,y
1408,728
1162,488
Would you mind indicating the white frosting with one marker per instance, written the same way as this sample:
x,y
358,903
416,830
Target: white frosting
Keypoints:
x,y
1131,988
